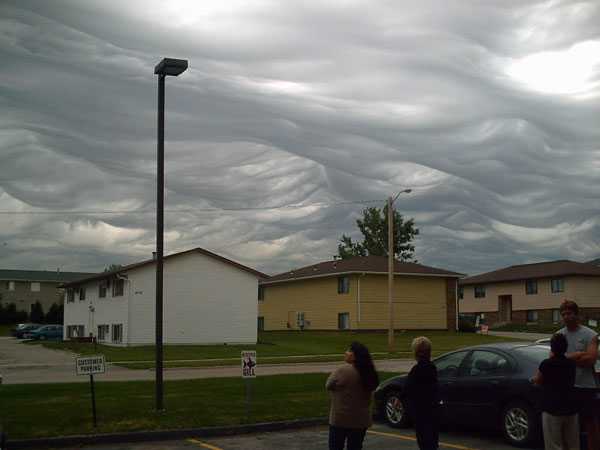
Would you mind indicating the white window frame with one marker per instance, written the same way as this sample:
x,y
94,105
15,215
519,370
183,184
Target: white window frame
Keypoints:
x,y
71,295
103,332
102,289
531,287
35,286
534,316
118,287
558,284
9,285
479,291
343,285
81,293
116,334
344,321
556,315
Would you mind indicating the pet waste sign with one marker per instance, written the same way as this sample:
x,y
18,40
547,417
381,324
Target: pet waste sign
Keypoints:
x,y
249,364
248,372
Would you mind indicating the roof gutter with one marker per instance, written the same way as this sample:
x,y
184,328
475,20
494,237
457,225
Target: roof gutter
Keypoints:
x,y
361,272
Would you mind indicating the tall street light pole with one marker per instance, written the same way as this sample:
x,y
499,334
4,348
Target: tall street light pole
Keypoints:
x,y
390,202
172,67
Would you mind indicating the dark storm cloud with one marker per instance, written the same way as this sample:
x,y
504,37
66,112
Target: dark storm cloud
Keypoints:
x,y
296,103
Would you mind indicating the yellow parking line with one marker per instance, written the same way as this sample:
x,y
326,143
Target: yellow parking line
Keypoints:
x,y
202,444
409,438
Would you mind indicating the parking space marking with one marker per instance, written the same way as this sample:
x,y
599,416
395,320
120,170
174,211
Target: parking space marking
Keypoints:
x,y
202,444
410,438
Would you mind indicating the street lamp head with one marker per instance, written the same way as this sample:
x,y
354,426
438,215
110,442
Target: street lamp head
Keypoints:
x,y
170,66
408,191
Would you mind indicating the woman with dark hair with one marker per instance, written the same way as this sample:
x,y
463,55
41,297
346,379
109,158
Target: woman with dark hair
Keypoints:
x,y
352,385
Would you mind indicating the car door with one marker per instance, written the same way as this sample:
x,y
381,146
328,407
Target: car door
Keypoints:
x,y
448,367
481,386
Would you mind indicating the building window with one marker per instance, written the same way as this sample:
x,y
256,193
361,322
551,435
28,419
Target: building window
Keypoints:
x,y
118,287
461,292
531,287
81,293
480,291
261,293
532,316
558,285
9,286
480,319
70,295
556,315
35,286
343,321
261,324
343,285
103,331
117,332
75,331
102,289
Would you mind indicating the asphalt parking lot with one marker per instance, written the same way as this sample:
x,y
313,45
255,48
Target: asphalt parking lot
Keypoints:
x,y
379,437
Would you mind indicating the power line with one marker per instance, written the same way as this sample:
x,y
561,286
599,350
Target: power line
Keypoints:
x,y
150,211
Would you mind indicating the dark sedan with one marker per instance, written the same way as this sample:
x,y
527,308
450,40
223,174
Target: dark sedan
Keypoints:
x,y
22,330
485,386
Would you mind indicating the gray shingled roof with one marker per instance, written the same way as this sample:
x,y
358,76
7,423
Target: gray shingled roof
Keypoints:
x,y
109,273
367,264
42,276
553,269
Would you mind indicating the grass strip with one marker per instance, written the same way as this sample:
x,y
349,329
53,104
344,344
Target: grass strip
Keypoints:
x,y
318,346
65,409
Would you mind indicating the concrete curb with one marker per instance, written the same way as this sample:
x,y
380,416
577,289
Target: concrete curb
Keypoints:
x,y
165,435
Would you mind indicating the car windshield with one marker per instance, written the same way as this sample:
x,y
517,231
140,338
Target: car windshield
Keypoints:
x,y
534,353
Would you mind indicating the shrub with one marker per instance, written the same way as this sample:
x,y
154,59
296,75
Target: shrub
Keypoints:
x,y
466,324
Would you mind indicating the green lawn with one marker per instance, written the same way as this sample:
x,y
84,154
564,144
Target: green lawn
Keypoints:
x,y
65,409
5,330
276,347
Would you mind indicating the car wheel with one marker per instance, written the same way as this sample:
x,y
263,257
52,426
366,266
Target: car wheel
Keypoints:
x,y
42,337
395,417
520,425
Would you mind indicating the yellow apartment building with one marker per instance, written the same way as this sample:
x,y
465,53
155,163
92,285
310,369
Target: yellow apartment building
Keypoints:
x,y
352,294
531,293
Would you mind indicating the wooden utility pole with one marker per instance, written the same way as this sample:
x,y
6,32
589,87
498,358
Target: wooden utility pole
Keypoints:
x,y
390,275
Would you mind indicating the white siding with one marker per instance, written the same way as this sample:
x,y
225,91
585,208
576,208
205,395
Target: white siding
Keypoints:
x,y
205,301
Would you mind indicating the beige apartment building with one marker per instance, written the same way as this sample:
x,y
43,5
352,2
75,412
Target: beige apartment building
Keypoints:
x,y
531,293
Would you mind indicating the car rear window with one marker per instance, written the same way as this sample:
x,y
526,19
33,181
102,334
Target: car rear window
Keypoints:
x,y
534,353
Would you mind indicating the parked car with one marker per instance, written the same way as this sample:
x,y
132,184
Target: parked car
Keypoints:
x,y
22,330
47,332
486,386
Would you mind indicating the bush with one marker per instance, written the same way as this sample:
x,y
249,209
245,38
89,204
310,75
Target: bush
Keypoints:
x,y
466,324
37,313
55,314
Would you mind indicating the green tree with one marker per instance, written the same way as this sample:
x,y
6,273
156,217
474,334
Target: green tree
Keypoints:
x,y
55,314
37,313
9,314
112,267
374,228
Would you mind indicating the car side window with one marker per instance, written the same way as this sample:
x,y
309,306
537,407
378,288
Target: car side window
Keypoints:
x,y
483,363
447,366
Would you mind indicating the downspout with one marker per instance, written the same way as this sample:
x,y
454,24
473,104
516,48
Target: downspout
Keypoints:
x,y
456,304
358,303
128,307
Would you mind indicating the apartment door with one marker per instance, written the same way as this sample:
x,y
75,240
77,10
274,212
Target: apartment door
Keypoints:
x,y
505,308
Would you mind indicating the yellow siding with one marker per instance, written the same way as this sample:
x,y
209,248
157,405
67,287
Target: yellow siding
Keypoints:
x,y
419,303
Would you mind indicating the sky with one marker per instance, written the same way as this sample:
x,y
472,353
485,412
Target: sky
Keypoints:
x,y
291,119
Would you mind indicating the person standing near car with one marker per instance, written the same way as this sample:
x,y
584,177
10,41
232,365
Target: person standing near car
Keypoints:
x,y
421,395
556,378
352,385
583,349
